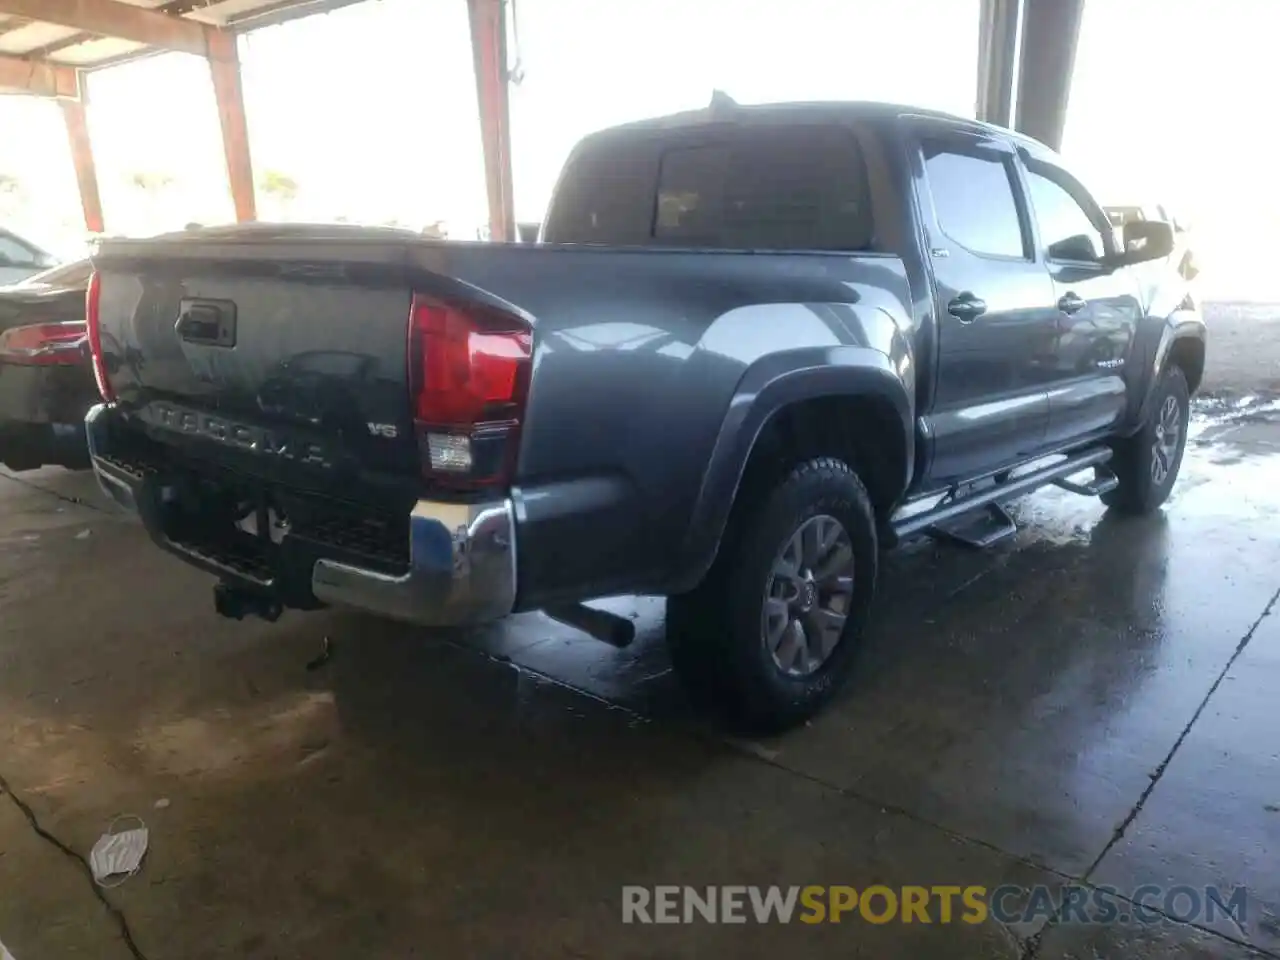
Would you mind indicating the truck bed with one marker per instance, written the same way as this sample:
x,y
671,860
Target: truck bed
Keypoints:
x,y
637,354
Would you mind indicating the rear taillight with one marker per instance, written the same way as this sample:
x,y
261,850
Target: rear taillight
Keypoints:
x,y
93,322
469,378
43,344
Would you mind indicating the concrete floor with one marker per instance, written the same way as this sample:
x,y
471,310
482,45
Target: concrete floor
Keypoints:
x,y
1094,700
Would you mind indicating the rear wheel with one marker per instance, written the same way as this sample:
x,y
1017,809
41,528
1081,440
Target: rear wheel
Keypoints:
x,y
772,632
1147,463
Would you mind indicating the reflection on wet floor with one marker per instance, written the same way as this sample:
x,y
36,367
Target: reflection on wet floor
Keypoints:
x,y
487,793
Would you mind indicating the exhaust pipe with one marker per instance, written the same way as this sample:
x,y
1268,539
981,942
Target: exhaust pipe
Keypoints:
x,y
605,626
238,603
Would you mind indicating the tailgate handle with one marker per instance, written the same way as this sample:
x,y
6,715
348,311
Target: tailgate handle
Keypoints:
x,y
211,322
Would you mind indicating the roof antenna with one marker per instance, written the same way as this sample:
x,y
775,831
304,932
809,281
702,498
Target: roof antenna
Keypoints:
x,y
721,101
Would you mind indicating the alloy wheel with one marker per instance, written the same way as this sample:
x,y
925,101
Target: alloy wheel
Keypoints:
x,y
809,595
1164,449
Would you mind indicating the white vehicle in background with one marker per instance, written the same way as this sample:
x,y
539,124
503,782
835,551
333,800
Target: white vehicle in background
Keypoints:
x,y
1183,257
21,258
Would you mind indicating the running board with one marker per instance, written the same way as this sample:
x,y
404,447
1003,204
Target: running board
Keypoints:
x,y
952,508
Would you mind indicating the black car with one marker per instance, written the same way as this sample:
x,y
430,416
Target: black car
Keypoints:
x,y
46,378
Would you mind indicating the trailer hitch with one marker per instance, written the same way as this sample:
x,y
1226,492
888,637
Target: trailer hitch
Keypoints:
x,y
238,603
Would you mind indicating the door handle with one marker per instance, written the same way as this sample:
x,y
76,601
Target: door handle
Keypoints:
x,y
966,308
1071,303
208,322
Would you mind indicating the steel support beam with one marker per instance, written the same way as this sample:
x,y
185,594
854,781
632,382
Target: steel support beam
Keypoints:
x,y
10,24
40,79
224,67
73,114
489,50
111,18
1050,31
999,60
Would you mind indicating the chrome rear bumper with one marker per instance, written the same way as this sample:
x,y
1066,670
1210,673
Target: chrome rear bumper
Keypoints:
x,y
462,569
462,557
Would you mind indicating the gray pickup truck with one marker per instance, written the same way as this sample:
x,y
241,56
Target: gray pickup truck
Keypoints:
x,y
753,348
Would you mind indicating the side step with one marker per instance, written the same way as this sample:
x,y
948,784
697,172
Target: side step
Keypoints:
x,y
1104,481
952,507
979,530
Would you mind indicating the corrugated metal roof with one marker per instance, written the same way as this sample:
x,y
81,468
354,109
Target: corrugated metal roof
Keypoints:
x,y
37,40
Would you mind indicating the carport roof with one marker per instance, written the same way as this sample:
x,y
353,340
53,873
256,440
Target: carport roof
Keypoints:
x,y
52,34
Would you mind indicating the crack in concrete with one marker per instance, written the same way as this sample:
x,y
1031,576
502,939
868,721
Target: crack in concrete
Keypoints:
x,y
64,497
749,749
1164,764
1033,944
122,924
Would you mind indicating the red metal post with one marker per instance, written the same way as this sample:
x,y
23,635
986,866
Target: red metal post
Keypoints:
x,y
224,67
73,115
489,50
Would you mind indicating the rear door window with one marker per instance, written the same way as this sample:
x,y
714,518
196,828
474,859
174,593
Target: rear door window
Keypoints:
x,y
973,198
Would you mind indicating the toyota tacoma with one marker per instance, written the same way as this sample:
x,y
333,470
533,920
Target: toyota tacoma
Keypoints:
x,y
752,348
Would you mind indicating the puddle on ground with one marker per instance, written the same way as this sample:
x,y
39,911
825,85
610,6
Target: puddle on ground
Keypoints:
x,y
1212,413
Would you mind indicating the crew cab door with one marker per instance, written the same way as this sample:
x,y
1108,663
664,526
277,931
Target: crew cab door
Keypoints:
x,y
1097,307
993,302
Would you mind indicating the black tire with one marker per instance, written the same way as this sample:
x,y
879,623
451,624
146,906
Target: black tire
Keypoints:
x,y
1141,490
716,634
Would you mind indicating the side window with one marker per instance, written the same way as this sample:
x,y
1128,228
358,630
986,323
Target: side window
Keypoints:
x,y
804,188
1066,230
16,254
974,200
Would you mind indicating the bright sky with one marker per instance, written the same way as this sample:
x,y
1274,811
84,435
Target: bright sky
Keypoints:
x,y
371,109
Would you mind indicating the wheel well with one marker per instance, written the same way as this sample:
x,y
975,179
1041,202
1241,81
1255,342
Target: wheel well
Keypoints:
x,y
864,431
1188,354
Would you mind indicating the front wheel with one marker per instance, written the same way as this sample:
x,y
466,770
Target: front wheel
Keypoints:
x,y
772,632
1147,463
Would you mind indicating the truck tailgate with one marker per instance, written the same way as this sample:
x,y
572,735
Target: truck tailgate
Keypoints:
x,y
272,355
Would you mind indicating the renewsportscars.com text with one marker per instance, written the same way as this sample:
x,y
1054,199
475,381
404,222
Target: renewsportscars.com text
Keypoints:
x,y
877,904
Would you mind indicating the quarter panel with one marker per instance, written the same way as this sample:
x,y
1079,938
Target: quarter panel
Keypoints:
x,y
638,357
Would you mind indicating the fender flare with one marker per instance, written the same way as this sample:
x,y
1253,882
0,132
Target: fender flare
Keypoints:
x,y
1181,325
775,382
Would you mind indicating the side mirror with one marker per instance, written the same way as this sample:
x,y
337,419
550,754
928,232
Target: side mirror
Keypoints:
x,y
1145,240
1080,248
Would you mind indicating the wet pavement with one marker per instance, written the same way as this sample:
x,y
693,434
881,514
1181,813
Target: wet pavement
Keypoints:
x,y
1093,702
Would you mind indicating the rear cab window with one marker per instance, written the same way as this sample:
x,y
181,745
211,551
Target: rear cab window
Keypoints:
x,y
765,187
